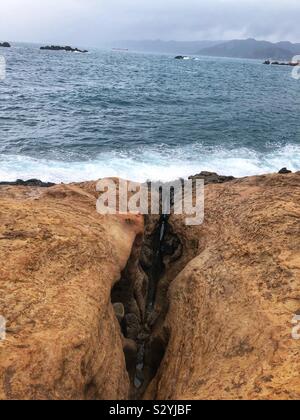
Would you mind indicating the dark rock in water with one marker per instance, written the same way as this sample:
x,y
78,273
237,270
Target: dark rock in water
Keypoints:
x,y
284,171
268,62
212,178
59,48
29,183
5,45
289,63
181,57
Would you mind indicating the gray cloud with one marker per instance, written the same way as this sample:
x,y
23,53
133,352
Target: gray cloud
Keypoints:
x,y
93,22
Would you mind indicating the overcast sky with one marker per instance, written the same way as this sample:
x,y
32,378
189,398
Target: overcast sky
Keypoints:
x,y
93,22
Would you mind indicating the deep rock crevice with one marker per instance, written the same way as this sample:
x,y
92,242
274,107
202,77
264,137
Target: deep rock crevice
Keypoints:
x,y
141,303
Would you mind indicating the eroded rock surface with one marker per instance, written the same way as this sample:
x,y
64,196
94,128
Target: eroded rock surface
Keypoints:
x,y
232,304
75,290
59,262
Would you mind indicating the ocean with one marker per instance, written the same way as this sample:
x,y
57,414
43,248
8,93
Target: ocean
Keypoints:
x,y
71,117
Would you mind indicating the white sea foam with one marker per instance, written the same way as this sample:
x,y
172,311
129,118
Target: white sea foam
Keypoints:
x,y
162,164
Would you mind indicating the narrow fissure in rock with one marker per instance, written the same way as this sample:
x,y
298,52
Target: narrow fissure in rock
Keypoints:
x,y
141,305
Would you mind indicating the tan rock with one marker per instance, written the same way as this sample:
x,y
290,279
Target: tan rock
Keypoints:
x,y
59,262
234,289
237,291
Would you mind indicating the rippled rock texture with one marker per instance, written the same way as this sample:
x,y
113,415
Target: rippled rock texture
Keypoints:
x,y
227,292
236,294
59,262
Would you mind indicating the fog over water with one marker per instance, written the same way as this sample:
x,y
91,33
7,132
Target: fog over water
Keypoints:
x,y
95,22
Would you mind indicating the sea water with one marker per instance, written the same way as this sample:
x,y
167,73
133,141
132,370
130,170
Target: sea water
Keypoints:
x,y
72,117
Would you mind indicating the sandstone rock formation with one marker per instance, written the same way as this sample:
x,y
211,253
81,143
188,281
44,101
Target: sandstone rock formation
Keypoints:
x,y
59,262
236,294
205,312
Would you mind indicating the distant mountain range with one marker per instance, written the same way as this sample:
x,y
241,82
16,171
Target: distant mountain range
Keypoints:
x,y
165,47
248,48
